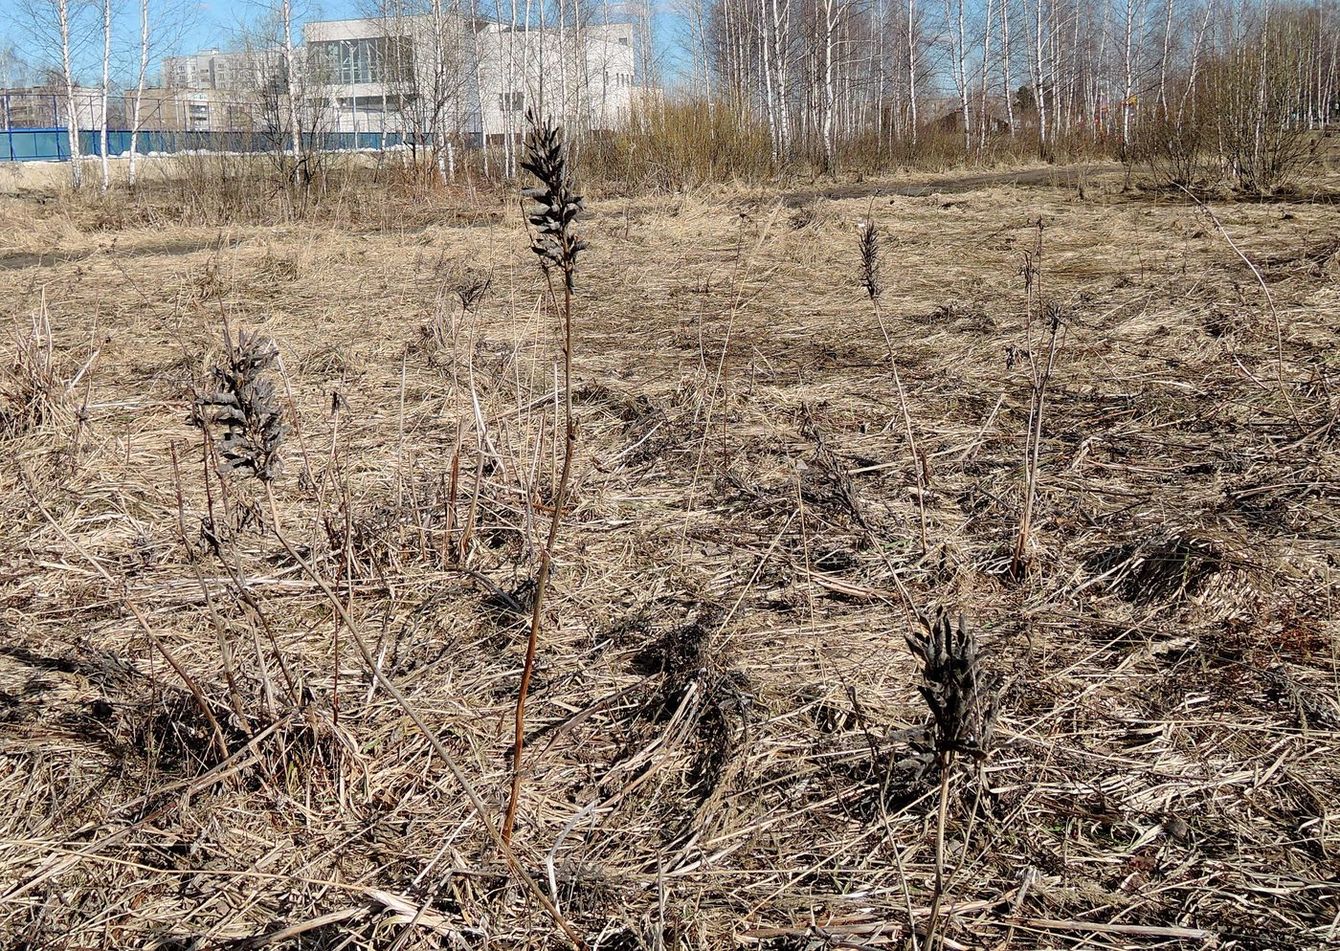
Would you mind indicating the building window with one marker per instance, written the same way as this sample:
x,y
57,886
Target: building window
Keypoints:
x,y
512,102
353,62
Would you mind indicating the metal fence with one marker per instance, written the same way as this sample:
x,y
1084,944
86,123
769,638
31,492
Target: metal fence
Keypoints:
x,y
53,144
34,126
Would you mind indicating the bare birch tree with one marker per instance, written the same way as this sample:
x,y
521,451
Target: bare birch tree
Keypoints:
x,y
105,94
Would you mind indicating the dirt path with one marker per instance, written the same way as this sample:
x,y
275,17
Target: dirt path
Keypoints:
x,y
1047,177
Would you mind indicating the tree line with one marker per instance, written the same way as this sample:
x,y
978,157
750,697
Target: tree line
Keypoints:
x,y
824,76
1192,88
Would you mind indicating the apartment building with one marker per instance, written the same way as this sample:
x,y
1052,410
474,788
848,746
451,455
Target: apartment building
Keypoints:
x,y
212,90
48,106
211,69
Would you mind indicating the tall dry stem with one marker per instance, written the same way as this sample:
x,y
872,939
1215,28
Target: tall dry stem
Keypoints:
x,y
556,243
870,280
1039,311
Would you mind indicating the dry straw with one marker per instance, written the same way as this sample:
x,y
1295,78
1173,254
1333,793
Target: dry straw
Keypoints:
x,y
1122,799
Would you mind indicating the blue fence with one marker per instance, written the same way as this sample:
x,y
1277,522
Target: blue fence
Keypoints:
x,y
53,144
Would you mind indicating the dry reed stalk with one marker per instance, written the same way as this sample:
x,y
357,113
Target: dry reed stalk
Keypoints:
x,y
374,669
1038,309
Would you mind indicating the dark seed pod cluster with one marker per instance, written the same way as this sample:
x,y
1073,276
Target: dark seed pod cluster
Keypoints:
x,y
242,408
961,695
556,241
870,259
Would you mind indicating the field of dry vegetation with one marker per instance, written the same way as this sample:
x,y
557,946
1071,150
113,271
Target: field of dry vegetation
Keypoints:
x,y
726,743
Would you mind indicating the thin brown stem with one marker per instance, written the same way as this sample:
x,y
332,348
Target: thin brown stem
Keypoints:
x,y
917,467
387,684
946,767
546,559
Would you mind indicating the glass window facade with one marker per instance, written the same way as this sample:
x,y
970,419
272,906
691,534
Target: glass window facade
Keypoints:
x,y
368,60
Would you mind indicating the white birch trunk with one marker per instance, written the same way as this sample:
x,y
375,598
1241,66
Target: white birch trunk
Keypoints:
x,y
765,55
139,90
1128,84
71,106
106,93
963,91
1163,60
830,28
984,120
1005,63
912,67
1039,94
290,65
781,23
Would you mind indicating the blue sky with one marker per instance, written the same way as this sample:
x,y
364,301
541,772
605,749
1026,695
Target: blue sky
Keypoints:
x,y
218,23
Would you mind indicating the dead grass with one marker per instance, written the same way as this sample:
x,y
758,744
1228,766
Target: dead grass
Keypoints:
x,y
724,716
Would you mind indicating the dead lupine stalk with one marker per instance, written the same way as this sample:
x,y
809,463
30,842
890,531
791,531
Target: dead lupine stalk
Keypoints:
x,y
557,244
1038,310
870,280
244,409
962,699
244,406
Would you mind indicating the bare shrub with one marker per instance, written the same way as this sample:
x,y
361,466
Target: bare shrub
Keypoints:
x,y
1178,147
1257,94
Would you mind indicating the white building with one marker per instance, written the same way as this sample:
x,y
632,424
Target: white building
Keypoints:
x,y
476,82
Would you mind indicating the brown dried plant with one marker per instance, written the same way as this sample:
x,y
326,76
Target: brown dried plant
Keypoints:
x,y
243,409
870,280
962,698
33,393
1039,311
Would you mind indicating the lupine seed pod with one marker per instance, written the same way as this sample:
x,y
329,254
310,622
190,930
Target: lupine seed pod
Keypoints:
x,y
870,259
961,696
243,407
555,241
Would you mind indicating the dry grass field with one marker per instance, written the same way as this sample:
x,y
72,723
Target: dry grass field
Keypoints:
x,y
725,723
